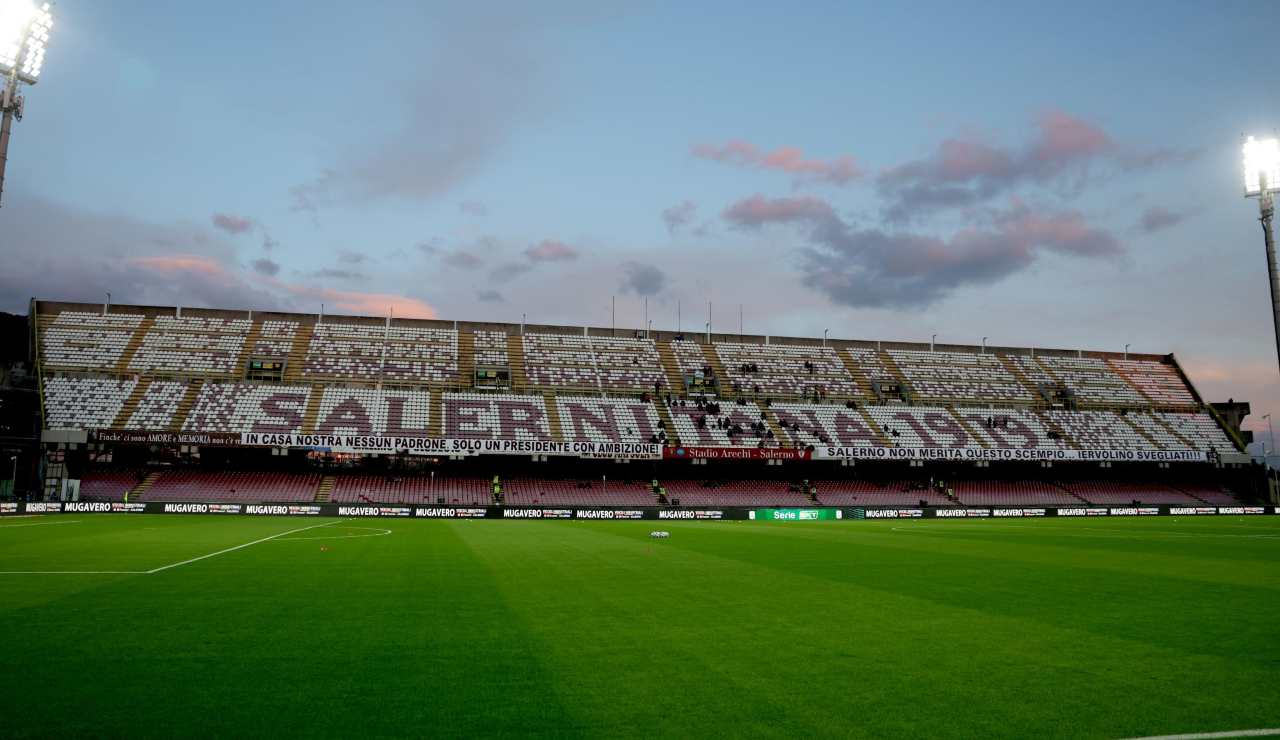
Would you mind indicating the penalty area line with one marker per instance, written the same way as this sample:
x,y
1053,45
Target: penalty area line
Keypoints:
x,y
38,524
163,567
237,547
72,572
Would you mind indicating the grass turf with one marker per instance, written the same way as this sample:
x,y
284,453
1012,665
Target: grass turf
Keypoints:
x,y
1053,628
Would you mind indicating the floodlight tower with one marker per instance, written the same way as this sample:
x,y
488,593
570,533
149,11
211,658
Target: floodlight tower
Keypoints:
x,y
24,34
1261,181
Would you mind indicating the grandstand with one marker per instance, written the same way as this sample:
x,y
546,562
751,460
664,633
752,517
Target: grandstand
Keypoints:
x,y
245,396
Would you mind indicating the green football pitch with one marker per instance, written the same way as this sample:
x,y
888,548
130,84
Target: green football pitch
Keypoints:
x,y
264,627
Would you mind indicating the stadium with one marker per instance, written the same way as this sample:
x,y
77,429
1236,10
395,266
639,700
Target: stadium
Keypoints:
x,y
509,370
246,459
150,405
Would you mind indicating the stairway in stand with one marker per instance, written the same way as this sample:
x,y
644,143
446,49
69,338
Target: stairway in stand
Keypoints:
x,y
325,489
1052,427
1017,373
855,372
1141,432
553,416
781,437
137,492
131,404
1124,375
135,341
515,357
892,366
673,438
311,417
723,383
875,427
466,360
1072,494
1169,428
250,341
298,354
1188,493
671,367
968,429
184,405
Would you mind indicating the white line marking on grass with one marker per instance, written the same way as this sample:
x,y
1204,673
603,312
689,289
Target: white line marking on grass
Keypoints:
x,y
237,547
72,572
376,533
161,568
38,524
1212,735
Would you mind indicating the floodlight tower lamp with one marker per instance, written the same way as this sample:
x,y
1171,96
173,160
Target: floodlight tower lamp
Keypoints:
x,y
1262,181
24,36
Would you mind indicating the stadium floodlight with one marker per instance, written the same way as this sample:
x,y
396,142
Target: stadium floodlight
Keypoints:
x,y
1261,181
24,35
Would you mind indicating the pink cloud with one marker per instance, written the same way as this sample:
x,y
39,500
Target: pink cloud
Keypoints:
x,y
178,266
759,210
789,159
180,263
964,160
368,304
1064,137
1065,232
1063,153
549,250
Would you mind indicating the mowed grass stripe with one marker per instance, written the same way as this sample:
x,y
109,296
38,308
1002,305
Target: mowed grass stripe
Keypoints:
x,y
1159,606
626,661
980,633
894,680
349,640
1250,563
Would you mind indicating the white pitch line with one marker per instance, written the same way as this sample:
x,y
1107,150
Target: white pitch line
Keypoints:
x,y
1270,732
237,547
38,524
72,572
377,532
170,565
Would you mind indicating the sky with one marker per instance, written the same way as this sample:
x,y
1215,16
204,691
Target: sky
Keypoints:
x,y
1050,175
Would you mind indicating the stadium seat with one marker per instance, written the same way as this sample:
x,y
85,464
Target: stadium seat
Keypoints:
x,y
371,411
189,485
248,407
158,405
598,419
396,488
735,493
557,492
84,403
87,341
786,370
495,416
